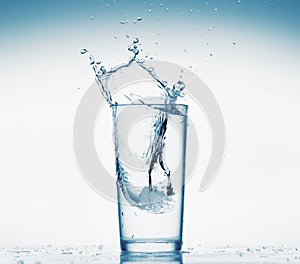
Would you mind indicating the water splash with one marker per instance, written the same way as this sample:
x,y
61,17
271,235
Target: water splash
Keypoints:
x,y
154,199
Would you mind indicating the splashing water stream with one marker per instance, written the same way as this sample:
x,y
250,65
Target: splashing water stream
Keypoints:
x,y
148,198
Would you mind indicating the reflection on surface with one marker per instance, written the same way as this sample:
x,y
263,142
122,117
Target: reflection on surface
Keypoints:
x,y
172,257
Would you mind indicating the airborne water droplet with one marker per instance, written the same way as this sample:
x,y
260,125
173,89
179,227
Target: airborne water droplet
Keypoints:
x,y
139,18
122,22
167,9
135,40
83,51
216,9
92,60
149,10
127,36
134,21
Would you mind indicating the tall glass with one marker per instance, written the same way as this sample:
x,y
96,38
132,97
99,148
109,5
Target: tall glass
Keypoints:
x,y
150,144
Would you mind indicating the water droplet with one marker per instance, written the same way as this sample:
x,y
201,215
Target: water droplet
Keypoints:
x,y
210,54
191,10
91,17
100,247
161,4
167,9
135,40
149,10
239,1
139,18
185,50
234,43
132,236
216,9
127,36
156,43
92,60
83,51
181,13
134,21
122,22
115,37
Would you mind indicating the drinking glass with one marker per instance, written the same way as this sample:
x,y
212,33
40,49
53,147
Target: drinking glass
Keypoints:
x,y
150,148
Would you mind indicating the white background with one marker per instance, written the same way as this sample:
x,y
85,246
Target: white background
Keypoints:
x,y
255,198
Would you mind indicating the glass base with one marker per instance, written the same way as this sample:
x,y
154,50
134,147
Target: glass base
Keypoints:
x,y
151,246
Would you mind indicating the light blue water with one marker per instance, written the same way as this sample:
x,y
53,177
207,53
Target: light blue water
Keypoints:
x,y
149,198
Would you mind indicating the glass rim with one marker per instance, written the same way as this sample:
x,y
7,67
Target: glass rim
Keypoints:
x,y
155,104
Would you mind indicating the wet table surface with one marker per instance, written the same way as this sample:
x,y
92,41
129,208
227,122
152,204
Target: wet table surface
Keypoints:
x,y
101,254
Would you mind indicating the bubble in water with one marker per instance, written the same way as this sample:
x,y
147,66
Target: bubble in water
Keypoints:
x,y
122,22
83,51
139,18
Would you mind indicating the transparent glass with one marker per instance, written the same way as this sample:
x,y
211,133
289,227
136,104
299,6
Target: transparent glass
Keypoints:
x,y
150,146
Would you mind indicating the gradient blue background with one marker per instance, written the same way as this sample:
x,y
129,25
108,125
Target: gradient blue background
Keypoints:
x,y
254,201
